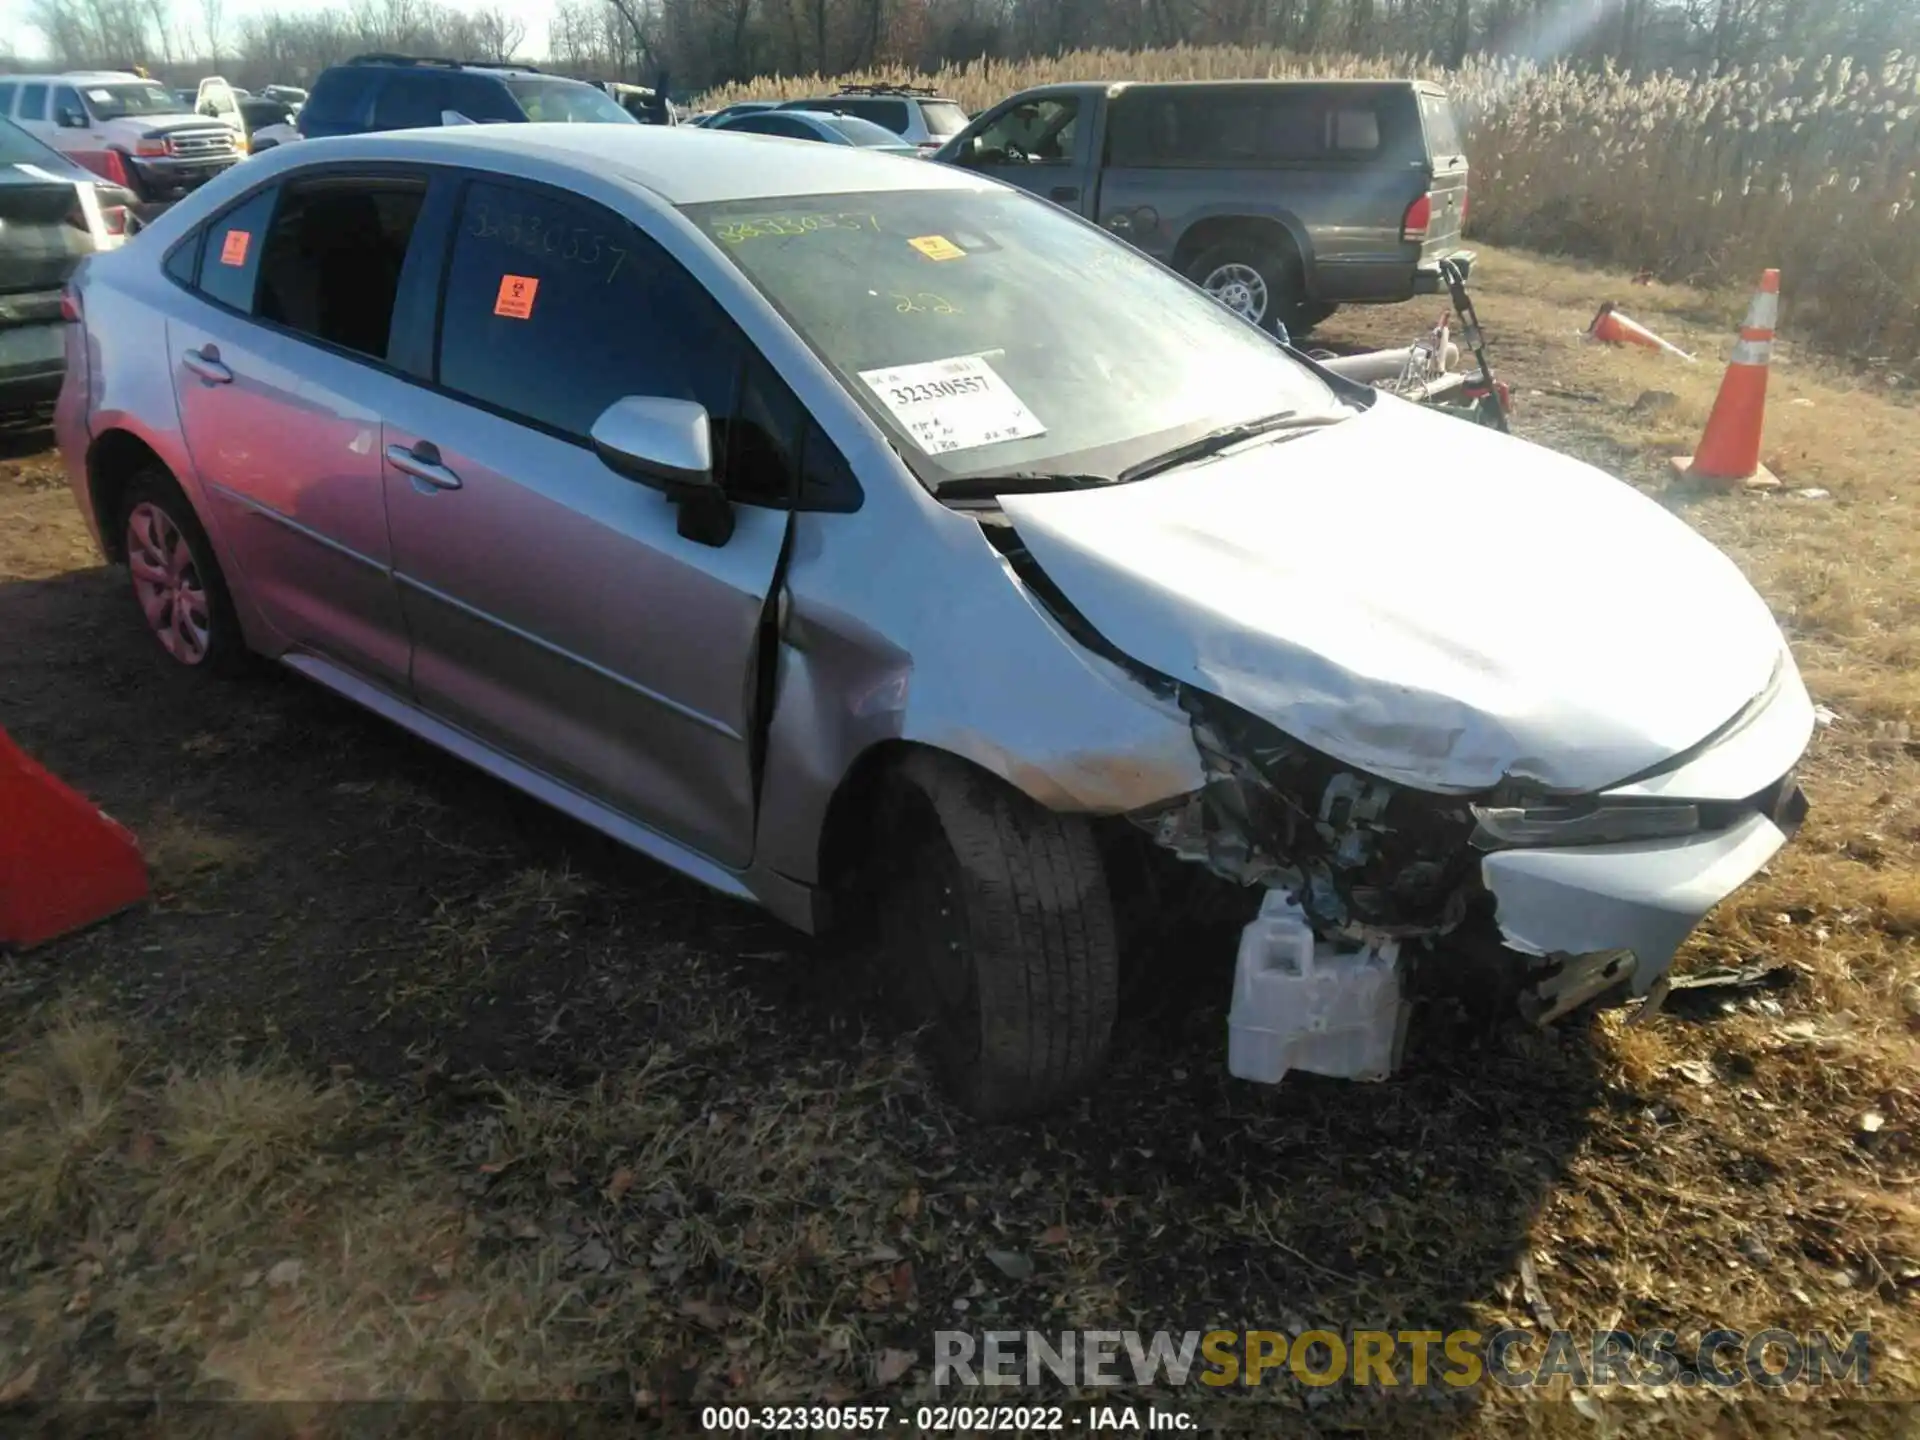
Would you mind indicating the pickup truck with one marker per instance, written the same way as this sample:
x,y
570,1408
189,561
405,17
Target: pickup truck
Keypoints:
x,y
1282,198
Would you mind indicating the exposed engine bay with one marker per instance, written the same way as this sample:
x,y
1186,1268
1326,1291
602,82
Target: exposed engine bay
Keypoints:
x,y
1364,858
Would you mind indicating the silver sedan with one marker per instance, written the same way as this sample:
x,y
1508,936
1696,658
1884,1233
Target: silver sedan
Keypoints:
x,y
872,541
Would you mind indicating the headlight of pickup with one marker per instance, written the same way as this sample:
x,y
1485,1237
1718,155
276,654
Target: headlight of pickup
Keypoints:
x,y
1502,827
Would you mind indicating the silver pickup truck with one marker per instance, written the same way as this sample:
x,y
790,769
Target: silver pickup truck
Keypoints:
x,y
1283,198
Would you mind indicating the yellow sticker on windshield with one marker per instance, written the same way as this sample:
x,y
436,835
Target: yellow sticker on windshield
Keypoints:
x,y
936,247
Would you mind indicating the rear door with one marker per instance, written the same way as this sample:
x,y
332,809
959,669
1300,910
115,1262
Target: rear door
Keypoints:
x,y
281,372
1446,150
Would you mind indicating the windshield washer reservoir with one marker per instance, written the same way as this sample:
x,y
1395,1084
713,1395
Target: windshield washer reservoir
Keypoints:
x,y
1306,1004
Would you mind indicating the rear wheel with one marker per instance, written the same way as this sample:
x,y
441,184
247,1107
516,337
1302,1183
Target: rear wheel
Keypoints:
x,y
997,930
1255,279
177,584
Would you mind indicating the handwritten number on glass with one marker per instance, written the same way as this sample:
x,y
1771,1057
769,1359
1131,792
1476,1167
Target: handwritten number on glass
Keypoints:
x,y
529,233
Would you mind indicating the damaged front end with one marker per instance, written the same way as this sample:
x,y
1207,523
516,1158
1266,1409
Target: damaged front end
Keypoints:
x,y
1364,859
1368,882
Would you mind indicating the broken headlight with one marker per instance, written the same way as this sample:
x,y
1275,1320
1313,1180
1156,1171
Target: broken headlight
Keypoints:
x,y
1499,827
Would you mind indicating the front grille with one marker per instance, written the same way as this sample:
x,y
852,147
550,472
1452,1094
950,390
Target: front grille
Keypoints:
x,y
201,144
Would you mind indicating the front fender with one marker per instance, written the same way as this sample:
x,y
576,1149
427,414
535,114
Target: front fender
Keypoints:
x,y
966,660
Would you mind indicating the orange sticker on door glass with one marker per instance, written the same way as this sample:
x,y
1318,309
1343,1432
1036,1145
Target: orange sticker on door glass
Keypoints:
x,y
936,247
233,250
515,300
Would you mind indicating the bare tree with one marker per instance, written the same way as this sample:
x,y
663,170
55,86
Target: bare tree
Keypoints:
x,y
499,34
213,17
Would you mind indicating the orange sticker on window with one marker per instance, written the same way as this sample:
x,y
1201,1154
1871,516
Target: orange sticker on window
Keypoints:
x,y
515,300
233,250
936,247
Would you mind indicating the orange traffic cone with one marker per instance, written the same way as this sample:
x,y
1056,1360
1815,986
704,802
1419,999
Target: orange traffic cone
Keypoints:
x,y
1728,457
63,864
1613,326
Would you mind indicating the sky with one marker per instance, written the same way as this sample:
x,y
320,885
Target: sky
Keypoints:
x,y
17,36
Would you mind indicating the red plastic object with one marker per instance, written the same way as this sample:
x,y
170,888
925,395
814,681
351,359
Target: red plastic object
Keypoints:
x,y
63,864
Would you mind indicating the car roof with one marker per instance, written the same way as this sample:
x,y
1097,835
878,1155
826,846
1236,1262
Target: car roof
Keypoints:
x,y
683,166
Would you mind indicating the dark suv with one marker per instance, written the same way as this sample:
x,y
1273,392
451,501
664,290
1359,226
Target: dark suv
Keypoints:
x,y
1283,198
406,92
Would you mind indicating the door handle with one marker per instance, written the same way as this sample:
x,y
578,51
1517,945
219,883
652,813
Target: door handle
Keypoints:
x,y
205,362
1064,193
422,462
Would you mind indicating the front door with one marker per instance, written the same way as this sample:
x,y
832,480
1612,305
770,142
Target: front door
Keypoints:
x,y
1040,145
556,612
277,368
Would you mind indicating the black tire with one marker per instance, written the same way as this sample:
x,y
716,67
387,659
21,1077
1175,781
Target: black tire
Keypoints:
x,y
134,183
224,651
1306,315
996,926
1281,282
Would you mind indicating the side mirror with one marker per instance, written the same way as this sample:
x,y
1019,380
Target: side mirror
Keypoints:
x,y
668,445
70,119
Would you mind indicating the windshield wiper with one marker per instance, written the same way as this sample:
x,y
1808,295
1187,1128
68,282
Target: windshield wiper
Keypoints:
x,y
1015,482
1214,441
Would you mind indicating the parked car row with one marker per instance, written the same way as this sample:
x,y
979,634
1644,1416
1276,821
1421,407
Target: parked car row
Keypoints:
x,y
905,552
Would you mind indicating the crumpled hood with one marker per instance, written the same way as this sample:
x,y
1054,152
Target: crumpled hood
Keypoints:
x,y
1420,598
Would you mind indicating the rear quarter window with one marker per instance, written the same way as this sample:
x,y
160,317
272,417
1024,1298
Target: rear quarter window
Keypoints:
x,y
230,252
1443,131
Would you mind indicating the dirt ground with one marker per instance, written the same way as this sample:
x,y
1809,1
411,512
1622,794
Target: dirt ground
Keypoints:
x,y
403,1087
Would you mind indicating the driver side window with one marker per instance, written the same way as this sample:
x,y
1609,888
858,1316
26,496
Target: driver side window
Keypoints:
x,y
1039,132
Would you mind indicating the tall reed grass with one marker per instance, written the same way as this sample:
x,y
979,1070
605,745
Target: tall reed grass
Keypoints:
x,y
1808,165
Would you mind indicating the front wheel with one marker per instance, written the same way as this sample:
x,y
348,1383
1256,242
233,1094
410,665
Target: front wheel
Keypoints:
x,y
997,929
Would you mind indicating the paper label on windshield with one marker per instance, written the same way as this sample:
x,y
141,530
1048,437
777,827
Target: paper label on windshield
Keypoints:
x,y
100,97
957,404
937,247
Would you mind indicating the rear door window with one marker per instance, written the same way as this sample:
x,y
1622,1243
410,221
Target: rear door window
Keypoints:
x,y
33,102
330,266
230,254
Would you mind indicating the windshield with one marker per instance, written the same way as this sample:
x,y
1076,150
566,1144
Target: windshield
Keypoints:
x,y
944,118
861,132
557,101
114,102
19,148
990,332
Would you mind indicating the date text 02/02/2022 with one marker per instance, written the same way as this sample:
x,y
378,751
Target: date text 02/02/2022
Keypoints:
x,y
940,1419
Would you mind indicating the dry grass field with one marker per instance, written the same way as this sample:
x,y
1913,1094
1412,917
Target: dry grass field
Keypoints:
x,y
404,1088
1804,164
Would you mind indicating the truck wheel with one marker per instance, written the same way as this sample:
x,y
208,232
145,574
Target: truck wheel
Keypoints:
x,y
996,927
1252,279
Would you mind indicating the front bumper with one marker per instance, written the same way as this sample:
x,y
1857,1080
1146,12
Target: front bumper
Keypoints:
x,y
182,174
1644,898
